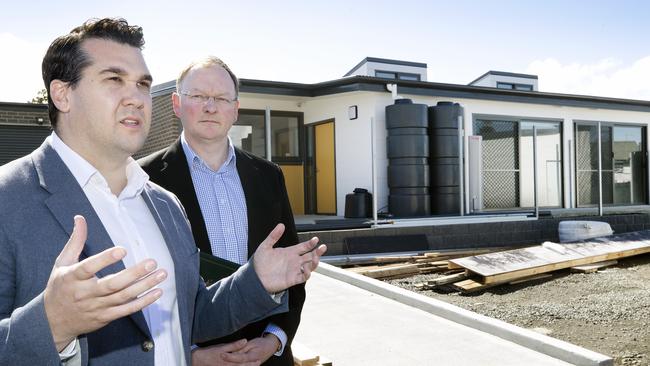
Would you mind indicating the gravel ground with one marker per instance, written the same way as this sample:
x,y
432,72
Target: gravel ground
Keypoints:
x,y
607,311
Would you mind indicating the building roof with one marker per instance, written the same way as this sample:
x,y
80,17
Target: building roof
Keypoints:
x,y
425,88
15,106
504,73
385,61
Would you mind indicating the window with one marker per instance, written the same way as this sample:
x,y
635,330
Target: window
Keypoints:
x,y
249,134
406,76
525,87
513,86
385,74
397,75
285,137
508,163
622,161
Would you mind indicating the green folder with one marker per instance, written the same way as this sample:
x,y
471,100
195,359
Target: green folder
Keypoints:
x,y
214,268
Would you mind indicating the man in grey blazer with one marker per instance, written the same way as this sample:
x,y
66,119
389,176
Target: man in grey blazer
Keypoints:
x,y
125,288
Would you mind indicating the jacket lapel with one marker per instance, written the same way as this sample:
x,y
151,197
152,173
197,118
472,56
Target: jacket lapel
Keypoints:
x,y
67,199
165,220
253,186
179,180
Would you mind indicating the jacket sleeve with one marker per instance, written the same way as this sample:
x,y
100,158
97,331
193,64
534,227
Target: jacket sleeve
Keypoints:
x,y
232,303
25,336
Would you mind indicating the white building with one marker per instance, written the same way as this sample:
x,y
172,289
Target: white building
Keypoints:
x,y
325,136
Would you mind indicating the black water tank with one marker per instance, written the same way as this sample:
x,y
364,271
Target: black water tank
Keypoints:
x,y
443,158
358,204
407,147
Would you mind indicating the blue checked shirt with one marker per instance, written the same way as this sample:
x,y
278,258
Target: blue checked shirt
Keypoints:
x,y
223,205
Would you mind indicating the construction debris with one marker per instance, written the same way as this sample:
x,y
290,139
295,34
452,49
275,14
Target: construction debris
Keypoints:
x,y
590,268
475,270
393,267
515,264
303,356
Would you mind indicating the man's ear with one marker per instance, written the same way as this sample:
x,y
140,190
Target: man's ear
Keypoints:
x,y
236,110
59,95
176,104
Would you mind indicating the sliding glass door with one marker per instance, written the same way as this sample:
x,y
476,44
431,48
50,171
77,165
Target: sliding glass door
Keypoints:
x,y
508,163
623,164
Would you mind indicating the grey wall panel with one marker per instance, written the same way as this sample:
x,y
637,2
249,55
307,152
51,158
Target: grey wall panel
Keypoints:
x,y
17,141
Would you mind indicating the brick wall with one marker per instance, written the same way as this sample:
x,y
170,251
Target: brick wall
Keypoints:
x,y
478,235
24,114
165,126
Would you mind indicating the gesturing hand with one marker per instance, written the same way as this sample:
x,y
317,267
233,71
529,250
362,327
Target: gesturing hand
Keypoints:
x,y
281,268
78,302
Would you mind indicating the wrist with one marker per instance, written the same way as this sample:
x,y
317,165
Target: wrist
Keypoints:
x,y
61,341
276,341
61,344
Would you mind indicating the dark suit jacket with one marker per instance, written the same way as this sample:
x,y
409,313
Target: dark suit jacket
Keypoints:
x,y
267,205
39,197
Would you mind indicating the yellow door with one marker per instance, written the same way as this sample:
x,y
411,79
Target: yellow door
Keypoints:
x,y
325,169
293,179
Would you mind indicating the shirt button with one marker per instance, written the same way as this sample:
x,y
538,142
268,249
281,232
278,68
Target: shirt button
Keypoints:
x,y
147,345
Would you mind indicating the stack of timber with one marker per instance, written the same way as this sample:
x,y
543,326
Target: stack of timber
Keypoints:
x,y
303,356
525,264
393,267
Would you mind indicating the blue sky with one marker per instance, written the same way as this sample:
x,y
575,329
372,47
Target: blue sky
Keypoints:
x,y
578,47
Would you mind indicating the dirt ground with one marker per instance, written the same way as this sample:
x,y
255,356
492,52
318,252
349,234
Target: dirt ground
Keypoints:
x,y
607,311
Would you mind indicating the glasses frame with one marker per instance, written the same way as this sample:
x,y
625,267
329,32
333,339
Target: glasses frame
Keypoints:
x,y
199,98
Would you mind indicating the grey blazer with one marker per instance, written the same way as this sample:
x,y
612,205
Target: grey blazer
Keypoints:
x,y
38,200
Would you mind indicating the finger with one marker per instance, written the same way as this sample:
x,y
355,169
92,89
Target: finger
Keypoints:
x,y
305,247
124,278
233,346
249,346
131,307
316,254
88,267
136,289
72,249
273,236
240,358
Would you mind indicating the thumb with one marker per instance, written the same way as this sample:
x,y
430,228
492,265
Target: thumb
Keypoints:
x,y
72,249
273,237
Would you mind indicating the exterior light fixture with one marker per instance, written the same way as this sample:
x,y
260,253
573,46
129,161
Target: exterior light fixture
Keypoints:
x,y
352,112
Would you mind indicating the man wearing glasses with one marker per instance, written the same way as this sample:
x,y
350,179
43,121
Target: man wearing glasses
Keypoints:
x,y
125,288
232,198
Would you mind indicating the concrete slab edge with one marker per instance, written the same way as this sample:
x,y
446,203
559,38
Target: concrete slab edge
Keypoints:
x,y
527,338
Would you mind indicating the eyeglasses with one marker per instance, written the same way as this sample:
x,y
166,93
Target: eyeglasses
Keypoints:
x,y
204,99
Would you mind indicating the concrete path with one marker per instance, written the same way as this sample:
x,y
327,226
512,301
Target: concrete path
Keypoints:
x,y
353,327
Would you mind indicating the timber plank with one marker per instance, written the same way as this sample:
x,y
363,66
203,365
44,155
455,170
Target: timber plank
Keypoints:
x,y
590,268
392,271
513,264
303,356
448,279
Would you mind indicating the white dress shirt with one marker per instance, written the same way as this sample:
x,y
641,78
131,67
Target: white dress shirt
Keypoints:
x,y
130,224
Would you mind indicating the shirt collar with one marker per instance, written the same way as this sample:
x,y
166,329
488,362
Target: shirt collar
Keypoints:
x,y
193,158
83,171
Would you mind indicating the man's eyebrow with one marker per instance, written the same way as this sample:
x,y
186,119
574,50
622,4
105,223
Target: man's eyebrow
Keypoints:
x,y
122,72
113,70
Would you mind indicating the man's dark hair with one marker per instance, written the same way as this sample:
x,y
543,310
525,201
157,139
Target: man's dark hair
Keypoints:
x,y
65,59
